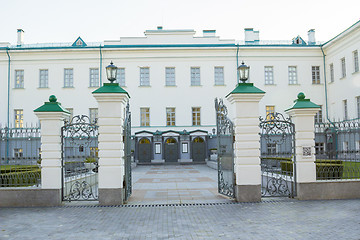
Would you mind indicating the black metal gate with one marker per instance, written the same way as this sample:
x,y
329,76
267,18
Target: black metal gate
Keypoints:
x,y
79,140
127,153
225,137
278,163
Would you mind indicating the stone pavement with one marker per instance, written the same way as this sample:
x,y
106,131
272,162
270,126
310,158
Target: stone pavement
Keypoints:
x,y
169,184
336,219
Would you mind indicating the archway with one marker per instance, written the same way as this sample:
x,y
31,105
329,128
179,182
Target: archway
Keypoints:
x,y
198,147
171,150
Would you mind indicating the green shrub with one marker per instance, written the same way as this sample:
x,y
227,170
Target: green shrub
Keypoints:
x,y
20,178
329,169
90,160
287,167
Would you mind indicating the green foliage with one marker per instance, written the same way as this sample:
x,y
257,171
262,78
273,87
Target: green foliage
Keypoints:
x,y
26,177
90,160
329,169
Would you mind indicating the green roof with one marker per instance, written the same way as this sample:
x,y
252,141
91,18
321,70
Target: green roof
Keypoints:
x,y
301,102
246,88
111,88
51,106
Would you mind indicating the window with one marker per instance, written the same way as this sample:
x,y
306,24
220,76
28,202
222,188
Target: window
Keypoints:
x,y
19,78
356,61
120,76
19,118
144,76
315,72
292,75
269,75
170,76
68,78
345,109
18,153
144,116
93,115
44,78
94,152
357,146
195,76
196,116
318,116
94,77
271,148
319,148
270,111
343,68
170,116
219,75
71,110
345,147
332,77
358,106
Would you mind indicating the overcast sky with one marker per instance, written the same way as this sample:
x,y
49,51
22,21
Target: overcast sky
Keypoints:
x,y
95,21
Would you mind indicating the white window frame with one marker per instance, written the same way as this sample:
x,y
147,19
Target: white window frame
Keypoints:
x,y
315,74
292,73
18,153
120,77
43,78
332,75
19,118
219,76
144,76
356,61
196,116
358,106
269,75
19,78
144,117
170,116
195,76
94,77
343,67
318,116
170,76
345,109
269,109
93,114
68,77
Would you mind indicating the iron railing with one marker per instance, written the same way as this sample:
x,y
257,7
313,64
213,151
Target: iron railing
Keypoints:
x,y
20,156
337,150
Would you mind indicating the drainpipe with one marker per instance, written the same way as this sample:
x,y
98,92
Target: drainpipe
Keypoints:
x,y
100,66
237,61
8,105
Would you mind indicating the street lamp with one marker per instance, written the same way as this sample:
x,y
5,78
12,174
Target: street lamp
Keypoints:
x,y
243,72
111,72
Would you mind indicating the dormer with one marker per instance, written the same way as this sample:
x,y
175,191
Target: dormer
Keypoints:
x,y
298,41
79,43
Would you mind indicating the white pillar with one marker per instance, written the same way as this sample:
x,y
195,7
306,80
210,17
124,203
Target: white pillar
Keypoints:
x,y
302,115
51,116
111,112
245,101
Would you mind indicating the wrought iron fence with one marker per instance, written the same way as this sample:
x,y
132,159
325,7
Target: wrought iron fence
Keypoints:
x,y
20,156
337,150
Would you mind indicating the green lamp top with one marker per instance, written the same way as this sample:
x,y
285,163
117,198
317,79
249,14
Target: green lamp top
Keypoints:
x,y
302,102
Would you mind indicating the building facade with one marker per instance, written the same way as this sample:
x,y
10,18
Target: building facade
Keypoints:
x,y
173,77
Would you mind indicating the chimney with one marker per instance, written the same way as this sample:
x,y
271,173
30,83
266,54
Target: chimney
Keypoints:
x,y
251,36
209,33
311,37
159,28
20,37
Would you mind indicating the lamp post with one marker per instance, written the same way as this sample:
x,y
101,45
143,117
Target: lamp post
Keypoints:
x,y
243,72
111,71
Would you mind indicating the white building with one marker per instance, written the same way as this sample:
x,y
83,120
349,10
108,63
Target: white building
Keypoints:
x,y
173,77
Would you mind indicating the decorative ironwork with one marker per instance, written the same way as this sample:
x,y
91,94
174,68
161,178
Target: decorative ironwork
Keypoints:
x,y
79,159
278,165
225,137
128,155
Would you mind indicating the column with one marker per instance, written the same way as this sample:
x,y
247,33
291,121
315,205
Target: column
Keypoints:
x,y
111,100
245,100
302,115
51,116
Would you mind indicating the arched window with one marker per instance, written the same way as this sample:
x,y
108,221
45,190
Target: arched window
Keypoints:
x,y
144,141
198,139
171,140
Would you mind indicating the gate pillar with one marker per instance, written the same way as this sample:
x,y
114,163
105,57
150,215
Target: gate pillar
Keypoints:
x,y
302,115
112,101
245,100
51,116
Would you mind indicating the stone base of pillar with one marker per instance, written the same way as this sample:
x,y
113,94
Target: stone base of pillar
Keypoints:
x,y
328,190
111,196
248,193
30,197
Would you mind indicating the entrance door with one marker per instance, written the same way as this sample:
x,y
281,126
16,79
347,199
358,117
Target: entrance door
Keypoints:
x,y
144,150
198,150
171,150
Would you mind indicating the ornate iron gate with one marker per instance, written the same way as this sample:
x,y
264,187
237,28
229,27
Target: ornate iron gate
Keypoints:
x,y
79,139
127,153
278,164
225,137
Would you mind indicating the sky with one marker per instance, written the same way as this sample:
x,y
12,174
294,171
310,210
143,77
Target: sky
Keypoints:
x,y
47,21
